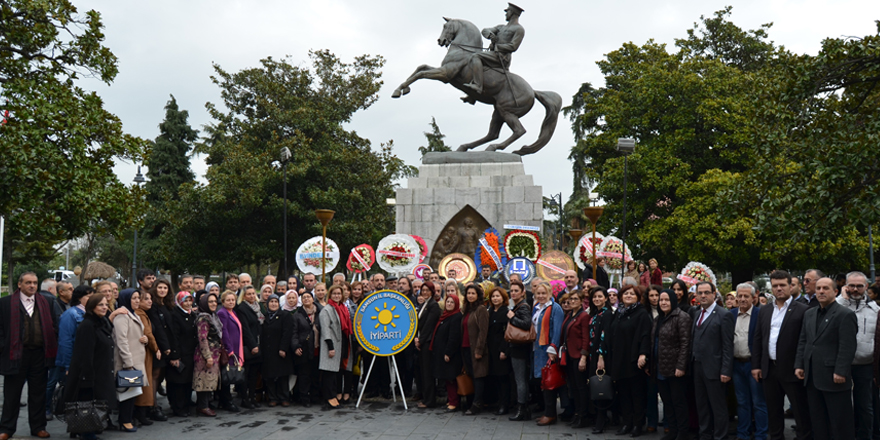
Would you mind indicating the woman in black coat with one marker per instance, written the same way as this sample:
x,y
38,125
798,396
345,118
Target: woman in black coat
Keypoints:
x,y
446,350
629,347
251,316
499,349
179,372
91,366
277,357
601,316
303,345
160,321
521,318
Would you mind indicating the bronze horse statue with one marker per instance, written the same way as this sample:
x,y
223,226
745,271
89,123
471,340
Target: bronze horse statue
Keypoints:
x,y
511,95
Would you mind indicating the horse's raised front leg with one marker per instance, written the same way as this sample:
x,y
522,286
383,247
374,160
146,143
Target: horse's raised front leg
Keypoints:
x,y
422,72
518,131
494,131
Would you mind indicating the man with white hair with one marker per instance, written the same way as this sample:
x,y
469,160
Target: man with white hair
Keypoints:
x,y
749,394
48,285
863,391
338,279
244,279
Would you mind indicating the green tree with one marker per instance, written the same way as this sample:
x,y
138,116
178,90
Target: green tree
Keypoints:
x,y
236,218
435,140
169,158
58,148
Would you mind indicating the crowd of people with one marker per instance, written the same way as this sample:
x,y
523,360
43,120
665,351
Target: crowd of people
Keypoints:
x,y
706,355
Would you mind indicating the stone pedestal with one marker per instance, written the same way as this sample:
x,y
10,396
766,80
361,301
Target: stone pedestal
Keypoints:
x,y
501,192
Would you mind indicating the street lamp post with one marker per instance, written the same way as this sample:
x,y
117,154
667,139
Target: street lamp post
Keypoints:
x,y
871,253
285,158
593,213
626,146
138,179
324,216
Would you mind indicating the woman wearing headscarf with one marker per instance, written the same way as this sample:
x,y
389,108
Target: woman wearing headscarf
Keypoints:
x,y
547,317
499,349
206,375
250,314
670,347
90,376
160,320
131,351
601,316
233,344
520,317
474,351
179,375
144,403
429,314
335,357
277,357
629,347
304,345
446,350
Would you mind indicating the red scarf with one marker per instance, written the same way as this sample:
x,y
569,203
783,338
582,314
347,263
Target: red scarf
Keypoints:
x,y
446,314
344,317
50,342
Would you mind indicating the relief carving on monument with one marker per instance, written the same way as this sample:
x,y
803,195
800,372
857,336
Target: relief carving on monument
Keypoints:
x,y
461,234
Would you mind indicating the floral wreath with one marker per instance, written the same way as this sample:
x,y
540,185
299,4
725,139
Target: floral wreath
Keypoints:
x,y
423,247
615,252
309,255
521,243
397,253
494,256
367,256
584,255
696,272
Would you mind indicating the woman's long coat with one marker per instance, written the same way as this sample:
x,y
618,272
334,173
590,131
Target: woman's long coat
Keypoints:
x,y
447,341
331,329
478,332
277,335
183,348
497,344
146,399
91,365
130,353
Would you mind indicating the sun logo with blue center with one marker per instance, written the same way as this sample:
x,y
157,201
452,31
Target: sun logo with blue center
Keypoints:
x,y
385,316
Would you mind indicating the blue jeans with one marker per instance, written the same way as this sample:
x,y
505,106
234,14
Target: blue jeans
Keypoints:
x,y
749,399
56,376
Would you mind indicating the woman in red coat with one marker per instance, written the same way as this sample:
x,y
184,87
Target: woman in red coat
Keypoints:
x,y
656,274
576,346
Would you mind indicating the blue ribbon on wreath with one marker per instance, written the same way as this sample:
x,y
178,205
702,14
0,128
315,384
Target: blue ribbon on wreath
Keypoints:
x,y
500,256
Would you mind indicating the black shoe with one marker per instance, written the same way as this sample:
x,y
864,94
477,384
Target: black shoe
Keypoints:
x,y
579,422
158,415
247,404
140,415
161,390
636,432
179,413
502,410
670,435
625,429
473,410
255,403
518,415
231,408
566,417
598,430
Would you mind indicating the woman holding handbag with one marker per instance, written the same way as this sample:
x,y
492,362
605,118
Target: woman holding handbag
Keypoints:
x,y
446,350
629,347
206,371
547,317
144,403
474,332
499,349
520,317
576,349
131,351
601,316
233,345
670,347
90,377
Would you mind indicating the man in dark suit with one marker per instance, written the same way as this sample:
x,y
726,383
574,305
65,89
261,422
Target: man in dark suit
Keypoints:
x,y
429,314
809,295
773,354
28,344
825,353
749,394
713,362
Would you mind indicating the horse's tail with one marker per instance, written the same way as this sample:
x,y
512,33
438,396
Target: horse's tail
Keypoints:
x,y
552,103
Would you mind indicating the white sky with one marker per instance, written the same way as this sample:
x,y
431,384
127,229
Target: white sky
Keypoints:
x,y
167,47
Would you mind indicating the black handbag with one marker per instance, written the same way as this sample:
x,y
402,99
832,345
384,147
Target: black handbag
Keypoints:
x,y
129,378
232,373
86,417
601,387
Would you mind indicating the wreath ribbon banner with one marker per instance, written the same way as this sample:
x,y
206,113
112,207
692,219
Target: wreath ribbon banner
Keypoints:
x,y
492,253
688,279
551,266
357,256
397,254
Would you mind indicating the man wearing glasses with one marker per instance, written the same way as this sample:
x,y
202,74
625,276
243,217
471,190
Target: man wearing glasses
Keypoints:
x,y
854,298
809,296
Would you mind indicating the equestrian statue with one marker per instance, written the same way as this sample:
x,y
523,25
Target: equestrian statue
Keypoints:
x,y
485,77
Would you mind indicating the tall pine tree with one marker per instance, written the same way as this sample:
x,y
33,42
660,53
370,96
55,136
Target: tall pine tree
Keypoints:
x,y
169,161
435,139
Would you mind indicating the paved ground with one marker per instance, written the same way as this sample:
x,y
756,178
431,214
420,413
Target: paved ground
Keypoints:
x,y
375,419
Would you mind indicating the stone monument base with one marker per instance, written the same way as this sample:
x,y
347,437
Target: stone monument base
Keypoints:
x,y
449,188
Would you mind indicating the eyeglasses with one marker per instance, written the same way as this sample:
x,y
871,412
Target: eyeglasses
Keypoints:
x,y
856,286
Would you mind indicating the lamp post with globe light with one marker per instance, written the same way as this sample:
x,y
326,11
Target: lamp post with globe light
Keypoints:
x,y
138,180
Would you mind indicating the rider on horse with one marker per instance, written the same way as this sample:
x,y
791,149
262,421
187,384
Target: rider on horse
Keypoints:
x,y
506,39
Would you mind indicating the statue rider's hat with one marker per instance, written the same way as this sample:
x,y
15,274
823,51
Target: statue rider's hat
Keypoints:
x,y
514,8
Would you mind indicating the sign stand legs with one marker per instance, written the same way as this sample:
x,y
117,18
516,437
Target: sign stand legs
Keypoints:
x,y
392,366
366,381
